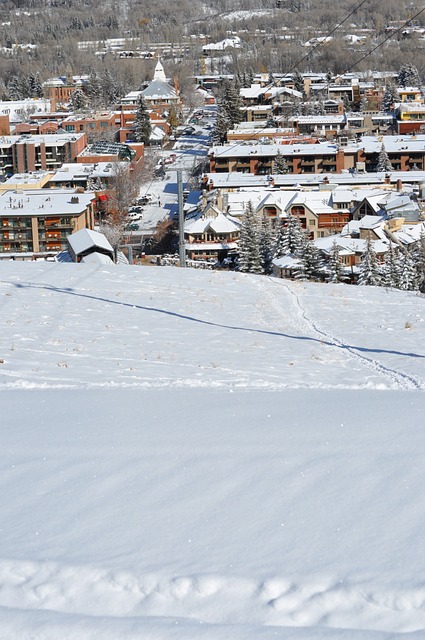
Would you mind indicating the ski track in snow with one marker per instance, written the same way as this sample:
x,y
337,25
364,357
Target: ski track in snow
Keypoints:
x,y
397,379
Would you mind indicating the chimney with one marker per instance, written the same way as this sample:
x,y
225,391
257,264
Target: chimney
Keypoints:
x,y
399,185
387,178
225,202
326,180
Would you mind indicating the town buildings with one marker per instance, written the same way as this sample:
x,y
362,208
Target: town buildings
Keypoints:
x,y
405,153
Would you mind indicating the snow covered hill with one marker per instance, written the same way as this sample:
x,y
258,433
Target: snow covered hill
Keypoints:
x,y
191,454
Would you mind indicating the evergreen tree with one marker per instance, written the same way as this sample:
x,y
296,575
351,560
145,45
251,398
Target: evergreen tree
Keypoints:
x,y
279,246
298,81
310,261
390,97
390,269
408,76
408,275
384,163
90,184
249,249
335,267
35,85
346,102
291,237
370,273
222,126
15,88
231,102
419,258
77,100
266,244
94,90
110,91
364,104
142,122
280,166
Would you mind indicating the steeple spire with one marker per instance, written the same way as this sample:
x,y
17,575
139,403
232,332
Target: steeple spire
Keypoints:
x,y
159,73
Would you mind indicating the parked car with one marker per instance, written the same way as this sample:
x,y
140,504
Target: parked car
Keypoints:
x,y
132,227
187,131
145,199
134,215
159,172
170,159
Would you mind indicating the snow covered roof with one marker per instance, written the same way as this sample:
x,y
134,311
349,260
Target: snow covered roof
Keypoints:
x,y
392,144
280,199
277,91
44,202
339,195
219,224
210,246
319,119
241,150
400,202
254,91
85,239
350,246
410,233
15,109
76,170
50,139
97,258
234,42
287,262
371,222
159,89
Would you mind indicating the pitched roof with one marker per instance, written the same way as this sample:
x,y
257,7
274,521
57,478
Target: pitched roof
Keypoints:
x,y
159,89
85,239
220,224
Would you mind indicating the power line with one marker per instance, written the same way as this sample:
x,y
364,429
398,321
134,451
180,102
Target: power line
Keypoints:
x,y
353,10
356,8
392,34
254,136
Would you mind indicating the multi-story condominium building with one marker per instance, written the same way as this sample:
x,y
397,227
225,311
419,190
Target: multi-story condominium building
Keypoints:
x,y
38,222
25,153
405,153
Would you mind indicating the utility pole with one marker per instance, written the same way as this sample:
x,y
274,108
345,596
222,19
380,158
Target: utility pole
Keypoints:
x,y
182,248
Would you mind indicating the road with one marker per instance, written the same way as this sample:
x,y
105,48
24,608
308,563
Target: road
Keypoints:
x,y
189,150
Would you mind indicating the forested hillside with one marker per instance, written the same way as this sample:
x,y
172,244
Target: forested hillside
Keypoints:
x,y
43,35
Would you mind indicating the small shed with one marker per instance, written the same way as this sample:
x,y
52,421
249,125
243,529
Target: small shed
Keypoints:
x,y
86,242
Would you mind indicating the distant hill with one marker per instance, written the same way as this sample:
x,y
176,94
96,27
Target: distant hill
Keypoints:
x,y
273,37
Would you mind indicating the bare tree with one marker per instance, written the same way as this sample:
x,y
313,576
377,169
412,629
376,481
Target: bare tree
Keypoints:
x,y
124,189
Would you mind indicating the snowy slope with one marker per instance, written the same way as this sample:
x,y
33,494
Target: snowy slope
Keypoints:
x,y
191,454
69,327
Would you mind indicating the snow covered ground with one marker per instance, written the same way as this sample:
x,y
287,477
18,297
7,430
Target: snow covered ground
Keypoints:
x,y
195,454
